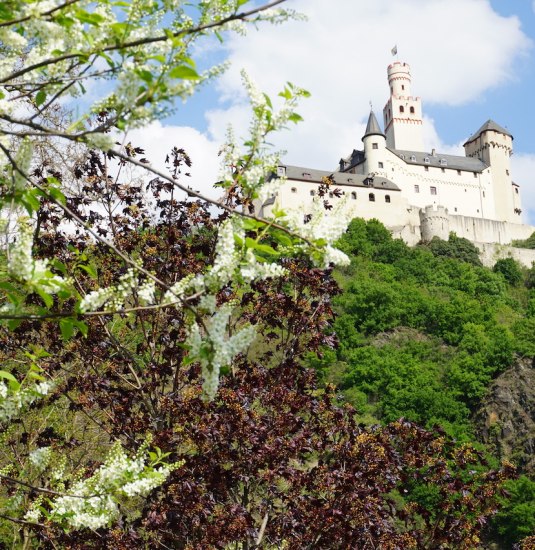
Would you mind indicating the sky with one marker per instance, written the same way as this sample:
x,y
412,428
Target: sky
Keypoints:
x,y
470,60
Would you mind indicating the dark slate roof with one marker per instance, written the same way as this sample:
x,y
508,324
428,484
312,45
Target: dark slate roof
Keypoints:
x,y
489,125
373,128
356,157
297,173
468,164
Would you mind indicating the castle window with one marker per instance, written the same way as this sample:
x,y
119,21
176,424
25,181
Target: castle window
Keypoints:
x,y
413,158
401,109
412,110
387,198
349,180
455,209
381,165
443,162
426,168
402,156
416,188
294,189
433,190
507,172
371,196
375,146
312,192
483,193
516,190
458,172
307,176
331,195
427,160
403,86
389,113
281,171
354,196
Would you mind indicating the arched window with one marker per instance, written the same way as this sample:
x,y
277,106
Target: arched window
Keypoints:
x,y
412,110
312,192
401,109
354,196
387,198
372,197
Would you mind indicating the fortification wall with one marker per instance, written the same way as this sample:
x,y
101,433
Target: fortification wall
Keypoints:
x,y
490,253
488,231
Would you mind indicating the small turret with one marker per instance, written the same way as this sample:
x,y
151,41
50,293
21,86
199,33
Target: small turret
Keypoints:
x,y
374,146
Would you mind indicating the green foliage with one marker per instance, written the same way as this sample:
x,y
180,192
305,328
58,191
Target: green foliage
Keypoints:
x,y
510,269
455,247
423,330
527,243
516,520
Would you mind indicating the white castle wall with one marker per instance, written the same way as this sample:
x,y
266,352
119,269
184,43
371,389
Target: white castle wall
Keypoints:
x,y
488,231
490,253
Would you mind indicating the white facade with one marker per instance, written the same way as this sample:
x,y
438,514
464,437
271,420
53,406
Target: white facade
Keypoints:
x,y
419,194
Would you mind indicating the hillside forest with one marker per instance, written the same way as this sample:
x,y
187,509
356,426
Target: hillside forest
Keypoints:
x,y
430,335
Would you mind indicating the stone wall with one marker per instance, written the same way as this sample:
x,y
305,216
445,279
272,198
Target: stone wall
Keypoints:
x,y
491,252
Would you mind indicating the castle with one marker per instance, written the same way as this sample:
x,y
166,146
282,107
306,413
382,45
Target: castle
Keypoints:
x,y
420,194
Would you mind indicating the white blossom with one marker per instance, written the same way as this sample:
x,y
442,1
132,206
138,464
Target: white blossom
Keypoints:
x,y
40,458
146,292
253,270
119,475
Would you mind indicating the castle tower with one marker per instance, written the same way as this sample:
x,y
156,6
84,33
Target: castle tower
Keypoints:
x,y
374,147
402,113
494,146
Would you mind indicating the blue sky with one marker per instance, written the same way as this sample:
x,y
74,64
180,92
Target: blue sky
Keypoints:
x,y
471,60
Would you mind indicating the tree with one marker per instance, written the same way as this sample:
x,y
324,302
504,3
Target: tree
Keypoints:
x,y
510,269
141,51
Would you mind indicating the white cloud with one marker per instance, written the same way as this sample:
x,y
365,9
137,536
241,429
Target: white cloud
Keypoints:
x,y
340,55
158,140
523,169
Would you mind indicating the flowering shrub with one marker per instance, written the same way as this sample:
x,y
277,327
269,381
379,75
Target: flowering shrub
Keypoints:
x,y
184,320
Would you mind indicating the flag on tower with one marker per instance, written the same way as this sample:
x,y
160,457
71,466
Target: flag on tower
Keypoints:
x,y
394,50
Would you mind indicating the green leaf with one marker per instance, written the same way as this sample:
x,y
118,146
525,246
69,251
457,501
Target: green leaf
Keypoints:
x,y
67,328
14,323
4,285
47,298
40,98
184,73
60,266
90,269
265,248
57,195
295,117
89,18
8,376
82,327
30,201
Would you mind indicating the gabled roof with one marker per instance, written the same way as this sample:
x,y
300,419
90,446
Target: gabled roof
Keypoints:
x,y
468,164
492,126
298,173
373,128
